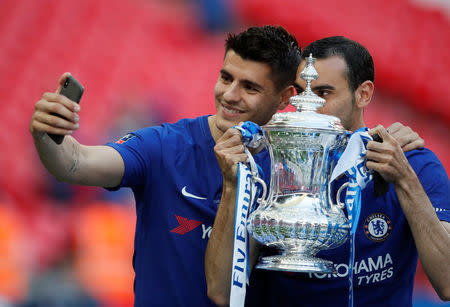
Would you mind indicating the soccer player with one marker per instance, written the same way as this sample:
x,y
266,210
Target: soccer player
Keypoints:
x,y
416,207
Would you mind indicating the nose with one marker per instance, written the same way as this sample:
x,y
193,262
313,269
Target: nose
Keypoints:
x,y
232,93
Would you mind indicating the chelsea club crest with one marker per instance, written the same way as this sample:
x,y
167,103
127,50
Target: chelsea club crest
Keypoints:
x,y
377,227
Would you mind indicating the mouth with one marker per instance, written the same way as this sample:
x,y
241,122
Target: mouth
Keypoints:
x,y
229,111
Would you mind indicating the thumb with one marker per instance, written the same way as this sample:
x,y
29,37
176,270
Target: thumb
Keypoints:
x,y
375,130
383,133
61,81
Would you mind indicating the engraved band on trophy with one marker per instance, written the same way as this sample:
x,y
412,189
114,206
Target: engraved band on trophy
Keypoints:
x,y
299,216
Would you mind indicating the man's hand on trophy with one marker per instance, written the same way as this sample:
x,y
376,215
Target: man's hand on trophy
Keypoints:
x,y
229,152
387,157
405,136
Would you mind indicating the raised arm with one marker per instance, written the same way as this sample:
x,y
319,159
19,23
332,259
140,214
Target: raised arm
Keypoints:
x,y
219,252
70,161
431,236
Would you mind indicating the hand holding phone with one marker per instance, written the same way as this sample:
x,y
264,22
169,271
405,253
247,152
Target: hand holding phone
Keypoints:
x,y
73,90
381,186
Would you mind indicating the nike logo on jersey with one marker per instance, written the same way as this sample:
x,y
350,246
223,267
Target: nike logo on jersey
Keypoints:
x,y
185,225
187,194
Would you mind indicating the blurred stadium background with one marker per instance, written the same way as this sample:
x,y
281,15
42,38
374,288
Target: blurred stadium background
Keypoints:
x,y
146,62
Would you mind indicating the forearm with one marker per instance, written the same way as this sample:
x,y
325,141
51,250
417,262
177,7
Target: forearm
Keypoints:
x,y
72,162
62,160
430,235
219,252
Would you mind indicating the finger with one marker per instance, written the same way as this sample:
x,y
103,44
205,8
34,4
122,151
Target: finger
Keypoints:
x,y
230,133
227,162
394,128
42,127
374,130
419,143
238,149
231,137
235,157
229,146
375,166
240,158
384,135
381,168
410,141
61,81
404,131
403,138
403,134
230,164
376,156
228,143
56,108
61,99
400,130
375,146
55,121
235,129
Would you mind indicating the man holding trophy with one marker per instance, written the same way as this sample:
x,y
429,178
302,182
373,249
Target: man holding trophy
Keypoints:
x,y
172,168
408,219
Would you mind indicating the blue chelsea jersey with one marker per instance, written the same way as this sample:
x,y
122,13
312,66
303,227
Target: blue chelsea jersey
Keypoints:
x,y
385,253
177,184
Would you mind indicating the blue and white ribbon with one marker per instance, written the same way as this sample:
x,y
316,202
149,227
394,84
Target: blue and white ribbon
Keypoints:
x,y
353,164
252,135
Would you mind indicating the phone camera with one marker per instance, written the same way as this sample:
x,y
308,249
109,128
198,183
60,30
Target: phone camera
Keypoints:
x,y
66,83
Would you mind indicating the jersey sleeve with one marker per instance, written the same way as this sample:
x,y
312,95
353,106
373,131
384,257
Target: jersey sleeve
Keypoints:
x,y
139,150
436,184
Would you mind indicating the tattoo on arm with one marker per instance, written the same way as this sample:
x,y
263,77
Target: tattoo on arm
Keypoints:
x,y
75,156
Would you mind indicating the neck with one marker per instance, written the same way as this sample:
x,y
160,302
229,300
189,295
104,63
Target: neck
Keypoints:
x,y
357,120
215,132
357,125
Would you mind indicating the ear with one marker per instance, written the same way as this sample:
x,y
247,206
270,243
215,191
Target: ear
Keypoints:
x,y
287,93
364,94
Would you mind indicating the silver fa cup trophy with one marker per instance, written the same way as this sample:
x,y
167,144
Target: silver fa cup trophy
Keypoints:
x,y
300,216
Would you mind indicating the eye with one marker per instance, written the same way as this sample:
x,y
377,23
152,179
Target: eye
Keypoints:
x,y
250,88
322,93
226,78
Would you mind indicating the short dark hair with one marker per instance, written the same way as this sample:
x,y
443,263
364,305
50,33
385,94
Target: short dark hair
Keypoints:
x,y
272,45
359,61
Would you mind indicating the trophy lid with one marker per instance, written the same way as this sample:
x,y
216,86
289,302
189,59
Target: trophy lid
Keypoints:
x,y
306,104
305,119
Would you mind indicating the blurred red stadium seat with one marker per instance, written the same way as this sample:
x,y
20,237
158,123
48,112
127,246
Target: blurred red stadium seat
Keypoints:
x,y
103,235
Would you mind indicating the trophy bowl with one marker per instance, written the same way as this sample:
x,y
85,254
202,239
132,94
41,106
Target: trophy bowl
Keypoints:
x,y
300,217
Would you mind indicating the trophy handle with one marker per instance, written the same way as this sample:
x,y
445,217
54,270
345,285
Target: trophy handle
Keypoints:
x,y
262,200
339,204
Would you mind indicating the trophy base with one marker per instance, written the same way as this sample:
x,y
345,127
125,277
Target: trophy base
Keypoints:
x,y
296,263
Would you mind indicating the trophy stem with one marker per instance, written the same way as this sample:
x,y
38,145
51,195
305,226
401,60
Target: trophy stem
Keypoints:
x,y
296,261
